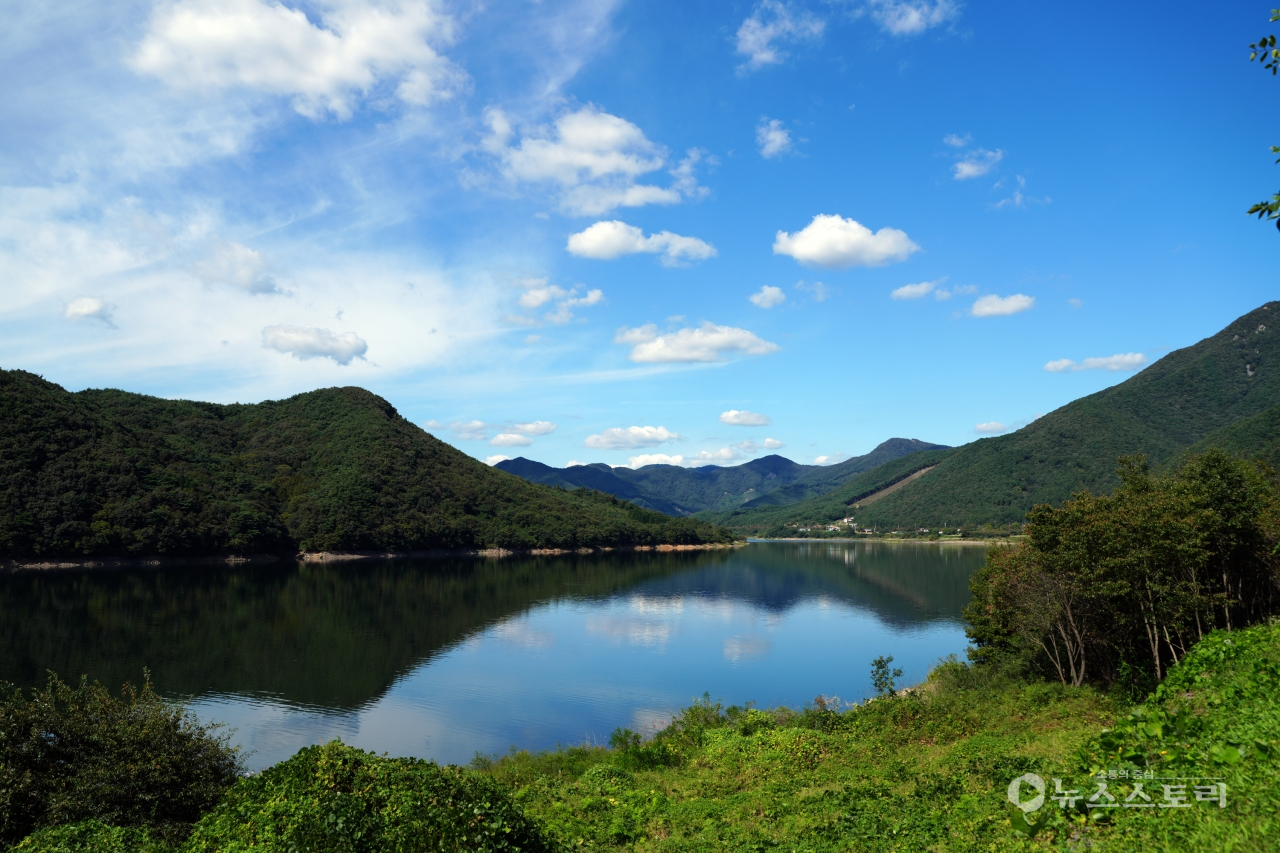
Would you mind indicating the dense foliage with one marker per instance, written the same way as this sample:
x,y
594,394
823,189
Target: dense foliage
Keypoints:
x,y
70,754
1121,586
106,473
675,490
340,799
1267,54
1222,392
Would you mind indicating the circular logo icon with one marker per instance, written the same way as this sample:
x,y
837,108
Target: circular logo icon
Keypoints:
x,y
1015,792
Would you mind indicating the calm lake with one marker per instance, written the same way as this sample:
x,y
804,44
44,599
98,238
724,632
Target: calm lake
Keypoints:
x,y
443,658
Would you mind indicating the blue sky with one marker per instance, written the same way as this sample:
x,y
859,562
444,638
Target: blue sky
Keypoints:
x,y
615,232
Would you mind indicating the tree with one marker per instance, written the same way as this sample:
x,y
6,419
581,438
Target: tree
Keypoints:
x,y
1267,53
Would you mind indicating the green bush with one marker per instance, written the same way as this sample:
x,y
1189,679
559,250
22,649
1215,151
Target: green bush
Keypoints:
x,y
91,836
69,755
338,799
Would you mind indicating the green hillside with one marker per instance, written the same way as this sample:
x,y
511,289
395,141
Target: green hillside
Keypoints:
x,y
1223,391
108,473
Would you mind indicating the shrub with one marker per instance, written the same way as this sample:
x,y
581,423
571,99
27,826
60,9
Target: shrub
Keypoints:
x,y
339,799
70,755
90,836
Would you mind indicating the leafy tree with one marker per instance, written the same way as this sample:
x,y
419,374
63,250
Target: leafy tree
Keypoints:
x,y
74,754
882,677
1267,54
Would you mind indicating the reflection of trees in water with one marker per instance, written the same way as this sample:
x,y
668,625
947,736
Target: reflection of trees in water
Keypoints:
x,y
334,635
903,584
338,635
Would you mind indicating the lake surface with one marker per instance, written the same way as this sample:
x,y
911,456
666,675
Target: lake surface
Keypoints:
x,y
443,658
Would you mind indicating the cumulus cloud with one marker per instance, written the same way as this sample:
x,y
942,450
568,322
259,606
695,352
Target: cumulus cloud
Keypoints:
x,y
916,291
534,428
706,343
910,17
750,446
306,342
495,459
352,51
773,23
976,163
510,439
89,308
830,459
774,139
836,242
236,266
959,290
573,462
432,426
538,293
955,140
990,428
1114,363
713,457
606,241
744,418
618,438
594,158
653,459
470,430
1002,306
768,296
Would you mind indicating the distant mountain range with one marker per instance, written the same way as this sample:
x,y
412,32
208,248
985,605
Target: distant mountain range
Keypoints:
x,y
678,491
112,474
1221,392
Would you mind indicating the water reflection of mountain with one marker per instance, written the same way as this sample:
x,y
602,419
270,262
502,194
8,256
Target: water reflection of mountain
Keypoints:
x,y
903,584
332,635
339,635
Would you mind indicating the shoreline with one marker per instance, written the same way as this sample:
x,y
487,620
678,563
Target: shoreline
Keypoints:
x,y
335,557
999,541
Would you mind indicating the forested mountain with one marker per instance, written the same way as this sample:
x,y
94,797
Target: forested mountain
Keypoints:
x,y
675,490
108,473
1221,392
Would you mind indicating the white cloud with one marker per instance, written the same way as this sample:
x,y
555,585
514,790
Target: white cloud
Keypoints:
x,y
594,158
606,241
833,241
1002,306
744,418
1020,198
89,308
357,50
1117,362
495,459
510,439
817,290
653,459
539,293
830,459
990,428
470,430
773,22
236,266
573,463
534,428
955,140
750,446
916,291
433,426
713,457
774,139
768,296
909,17
305,342
617,438
976,163
706,343
959,290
